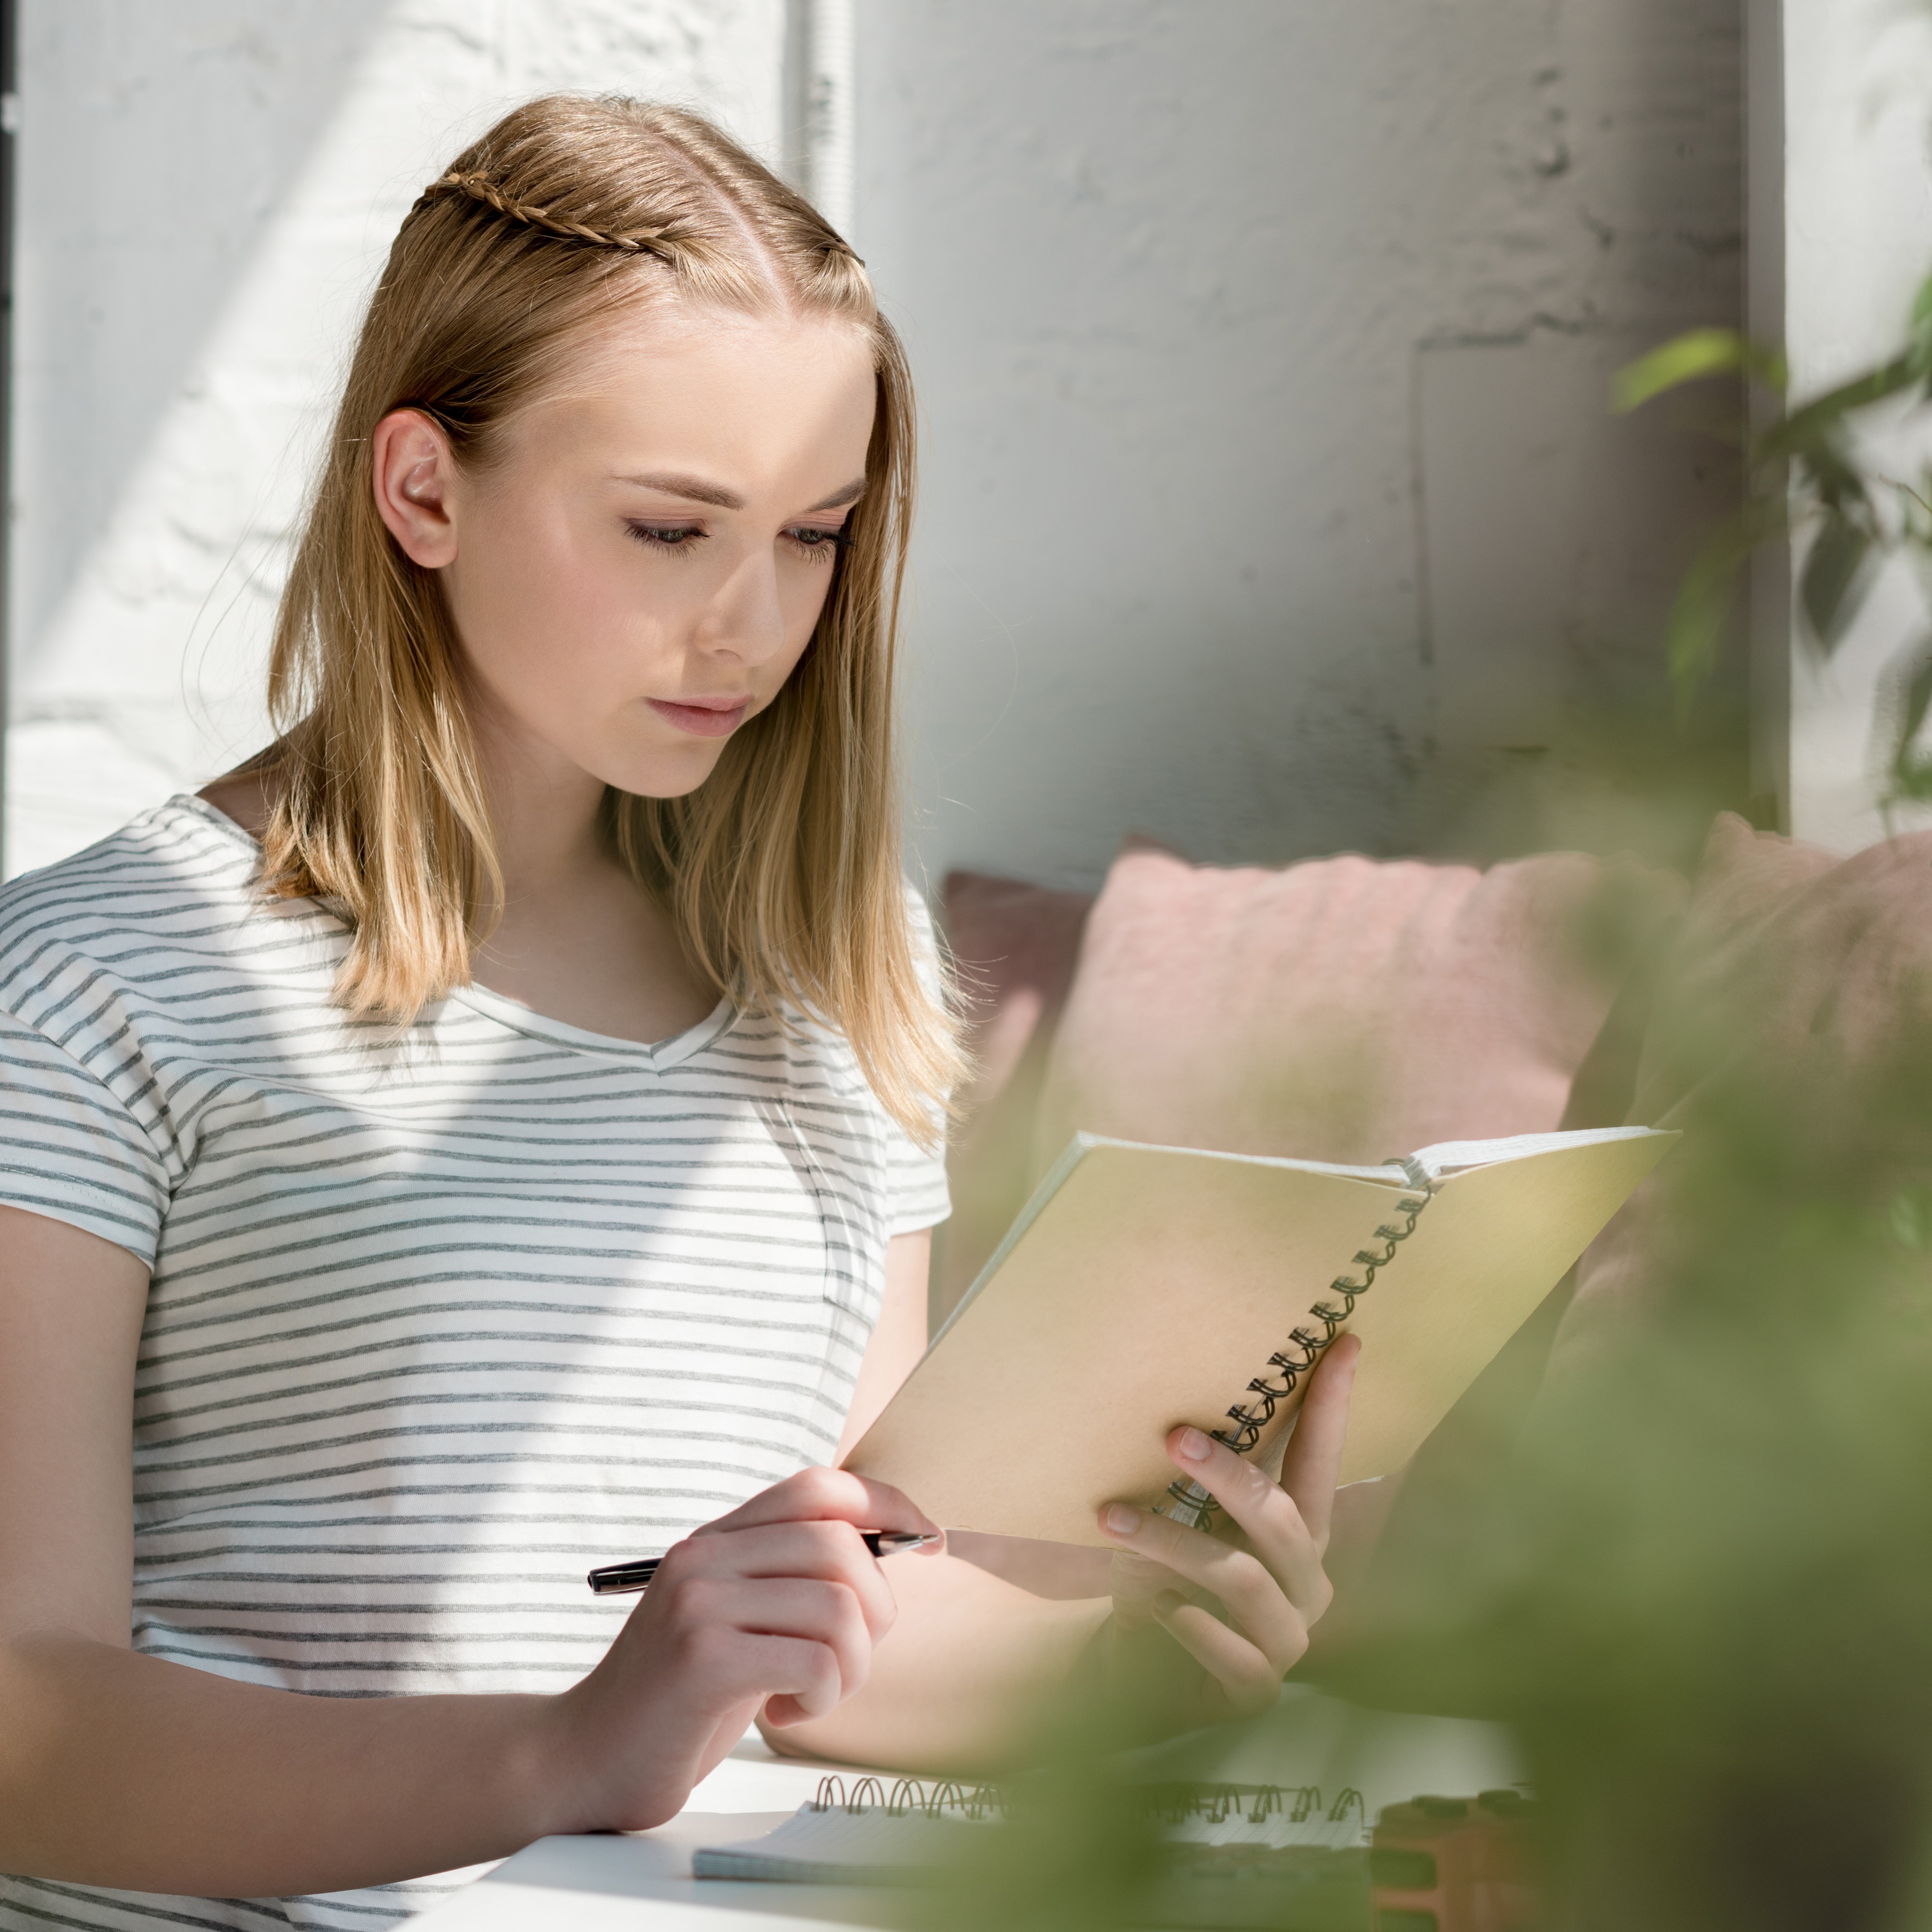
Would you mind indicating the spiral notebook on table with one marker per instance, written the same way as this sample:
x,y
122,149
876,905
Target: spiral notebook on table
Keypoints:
x,y
918,1833
1142,1287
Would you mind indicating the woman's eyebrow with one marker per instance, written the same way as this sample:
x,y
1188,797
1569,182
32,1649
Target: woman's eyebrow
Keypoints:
x,y
839,499
695,490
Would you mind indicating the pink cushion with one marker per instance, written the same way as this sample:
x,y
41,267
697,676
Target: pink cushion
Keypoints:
x,y
1772,927
1342,1009
1013,946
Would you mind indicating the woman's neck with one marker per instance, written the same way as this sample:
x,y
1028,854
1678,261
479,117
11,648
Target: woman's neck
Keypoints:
x,y
545,817
578,938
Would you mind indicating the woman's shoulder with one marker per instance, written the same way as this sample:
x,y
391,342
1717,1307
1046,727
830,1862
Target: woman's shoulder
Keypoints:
x,y
184,848
809,1054
180,875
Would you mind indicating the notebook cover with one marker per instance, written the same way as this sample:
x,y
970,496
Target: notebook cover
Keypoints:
x,y
1145,1287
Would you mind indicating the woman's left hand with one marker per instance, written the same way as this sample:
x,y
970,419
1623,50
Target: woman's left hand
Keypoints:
x,y
1269,1585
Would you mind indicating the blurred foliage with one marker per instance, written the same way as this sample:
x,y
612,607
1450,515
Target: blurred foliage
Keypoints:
x,y
1702,1594
1809,476
1700,1589
1075,1853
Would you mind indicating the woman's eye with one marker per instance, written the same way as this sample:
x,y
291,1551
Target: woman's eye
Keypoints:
x,y
822,545
667,536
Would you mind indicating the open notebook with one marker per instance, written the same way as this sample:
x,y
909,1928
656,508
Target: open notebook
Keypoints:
x,y
1147,1286
919,1833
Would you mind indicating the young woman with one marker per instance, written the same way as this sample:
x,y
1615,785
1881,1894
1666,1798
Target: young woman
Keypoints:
x,y
496,1131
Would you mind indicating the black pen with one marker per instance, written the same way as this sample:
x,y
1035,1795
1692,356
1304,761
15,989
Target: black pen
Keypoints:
x,y
616,1579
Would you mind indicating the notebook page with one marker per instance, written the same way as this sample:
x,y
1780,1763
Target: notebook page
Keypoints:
x,y
1453,1156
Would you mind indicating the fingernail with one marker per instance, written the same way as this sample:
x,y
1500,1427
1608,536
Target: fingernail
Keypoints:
x,y
1122,1519
1194,1445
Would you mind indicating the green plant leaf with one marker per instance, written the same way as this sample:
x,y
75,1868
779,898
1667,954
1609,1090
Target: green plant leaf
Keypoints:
x,y
1690,359
1698,620
1828,471
1836,578
1911,769
1920,353
1807,428
1701,615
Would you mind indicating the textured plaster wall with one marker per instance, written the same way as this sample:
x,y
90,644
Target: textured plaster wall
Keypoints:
x,y
1271,504
207,189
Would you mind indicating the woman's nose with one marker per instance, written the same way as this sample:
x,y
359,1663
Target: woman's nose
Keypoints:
x,y
745,619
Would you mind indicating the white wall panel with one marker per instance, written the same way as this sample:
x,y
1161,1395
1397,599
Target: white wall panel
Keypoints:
x,y
1856,244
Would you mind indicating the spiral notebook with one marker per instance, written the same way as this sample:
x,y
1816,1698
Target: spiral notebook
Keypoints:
x,y
918,1833
1147,1286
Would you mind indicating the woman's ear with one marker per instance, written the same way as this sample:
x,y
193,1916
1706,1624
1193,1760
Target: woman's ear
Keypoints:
x,y
413,472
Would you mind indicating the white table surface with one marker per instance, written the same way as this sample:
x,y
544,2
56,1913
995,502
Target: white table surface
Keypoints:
x,y
641,1882
624,1882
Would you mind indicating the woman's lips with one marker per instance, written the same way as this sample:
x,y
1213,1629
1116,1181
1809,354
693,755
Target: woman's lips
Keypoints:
x,y
707,718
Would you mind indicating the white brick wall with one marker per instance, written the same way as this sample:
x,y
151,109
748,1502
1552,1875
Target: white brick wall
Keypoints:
x,y
207,188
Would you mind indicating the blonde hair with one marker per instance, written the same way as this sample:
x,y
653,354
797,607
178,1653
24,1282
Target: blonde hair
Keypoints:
x,y
782,870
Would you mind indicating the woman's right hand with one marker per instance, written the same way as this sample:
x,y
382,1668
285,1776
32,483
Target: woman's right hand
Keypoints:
x,y
776,1606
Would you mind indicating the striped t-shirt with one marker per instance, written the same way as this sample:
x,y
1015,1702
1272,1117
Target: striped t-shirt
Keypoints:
x,y
436,1322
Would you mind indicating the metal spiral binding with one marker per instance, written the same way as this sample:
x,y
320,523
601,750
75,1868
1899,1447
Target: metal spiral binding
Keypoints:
x,y
1189,1503
908,1794
1215,1803
1169,1803
1350,1800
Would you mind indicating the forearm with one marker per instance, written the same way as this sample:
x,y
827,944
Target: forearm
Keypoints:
x,y
964,1679
123,1770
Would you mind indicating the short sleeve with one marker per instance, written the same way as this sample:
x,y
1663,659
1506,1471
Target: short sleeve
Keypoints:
x,y
915,1179
70,1149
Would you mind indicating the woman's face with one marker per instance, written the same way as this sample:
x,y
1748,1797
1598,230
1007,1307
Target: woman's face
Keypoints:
x,y
641,568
